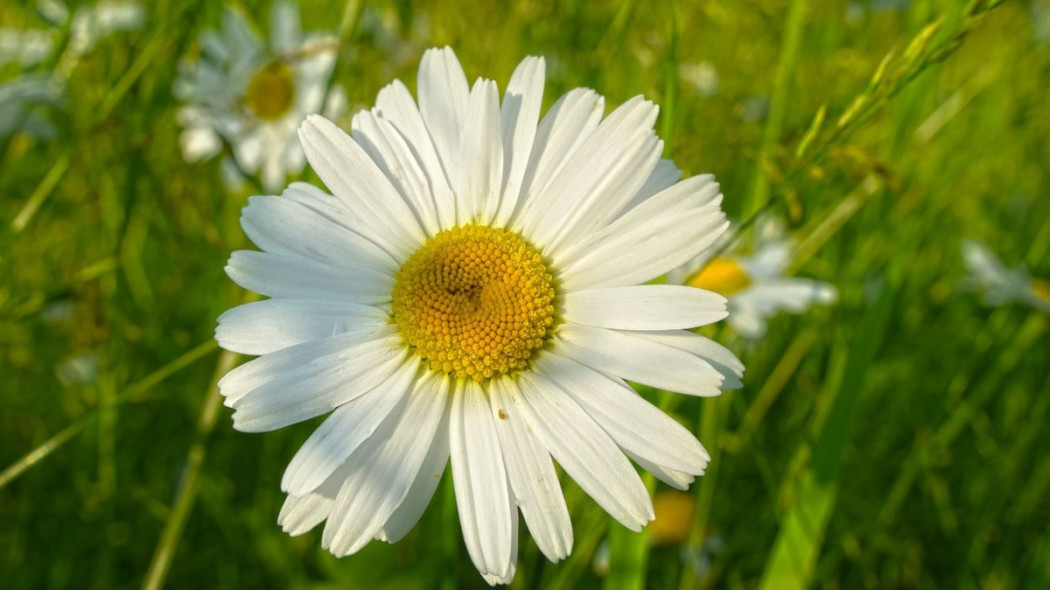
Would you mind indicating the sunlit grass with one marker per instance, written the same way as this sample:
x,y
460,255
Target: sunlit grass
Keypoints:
x,y
895,439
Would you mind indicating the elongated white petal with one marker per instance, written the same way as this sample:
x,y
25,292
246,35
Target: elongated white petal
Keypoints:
x,y
480,171
637,359
636,425
383,470
518,116
253,374
411,509
281,225
480,477
384,144
262,327
601,176
395,104
718,356
294,277
676,479
644,248
644,307
585,451
443,100
565,126
379,211
350,425
300,514
697,193
531,471
664,176
318,387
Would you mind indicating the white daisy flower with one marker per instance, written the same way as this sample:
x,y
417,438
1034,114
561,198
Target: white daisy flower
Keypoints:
x,y
1001,285
255,96
755,285
474,290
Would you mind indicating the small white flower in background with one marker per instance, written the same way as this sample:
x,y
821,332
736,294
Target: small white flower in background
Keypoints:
x,y
755,285
255,95
93,23
26,47
999,284
90,24
475,291
21,102
703,77
80,369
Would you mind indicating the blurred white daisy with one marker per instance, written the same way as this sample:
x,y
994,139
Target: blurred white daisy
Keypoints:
x,y
755,285
999,284
475,289
254,96
90,24
24,103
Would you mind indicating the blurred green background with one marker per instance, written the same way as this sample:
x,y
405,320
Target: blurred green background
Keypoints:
x,y
894,440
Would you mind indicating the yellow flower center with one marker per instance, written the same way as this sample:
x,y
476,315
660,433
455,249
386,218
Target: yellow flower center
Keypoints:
x,y
722,275
475,302
271,92
1041,289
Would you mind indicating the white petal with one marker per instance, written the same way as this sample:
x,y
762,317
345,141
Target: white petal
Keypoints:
x,y
243,379
718,356
295,277
480,161
644,307
585,451
263,327
350,425
793,295
288,225
687,197
561,132
301,514
644,243
664,176
480,478
199,143
443,100
411,509
637,359
285,32
377,211
637,426
319,386
600,178
395,104
334,211
388,149
383,470
531,471
678,480
519,115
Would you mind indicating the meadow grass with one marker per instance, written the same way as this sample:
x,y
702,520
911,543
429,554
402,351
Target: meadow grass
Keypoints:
x,y
894,440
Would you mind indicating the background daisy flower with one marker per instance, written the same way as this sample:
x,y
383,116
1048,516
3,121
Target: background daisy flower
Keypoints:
x,y
756,286
474,291
254,95
1000,285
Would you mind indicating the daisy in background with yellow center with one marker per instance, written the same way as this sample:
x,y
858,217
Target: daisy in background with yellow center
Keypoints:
x,y
474,290
755,285
254,96
1001,285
